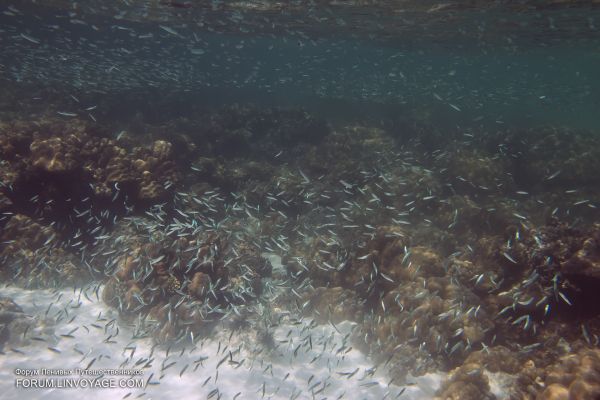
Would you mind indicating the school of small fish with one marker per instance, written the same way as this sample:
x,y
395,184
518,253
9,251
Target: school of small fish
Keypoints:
x,y
216,303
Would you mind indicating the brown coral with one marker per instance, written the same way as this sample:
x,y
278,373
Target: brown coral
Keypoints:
x,y
32,256
56,154
575,376
468,382
333,305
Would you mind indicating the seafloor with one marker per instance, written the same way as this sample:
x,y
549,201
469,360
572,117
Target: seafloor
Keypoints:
x,y
468,253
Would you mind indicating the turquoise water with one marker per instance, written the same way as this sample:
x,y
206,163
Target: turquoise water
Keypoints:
x,y
446,68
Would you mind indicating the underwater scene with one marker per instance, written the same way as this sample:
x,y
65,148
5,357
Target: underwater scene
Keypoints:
x,y
308,199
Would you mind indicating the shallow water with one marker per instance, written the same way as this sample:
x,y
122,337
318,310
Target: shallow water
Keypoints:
x,y
498,65
381,199
102,342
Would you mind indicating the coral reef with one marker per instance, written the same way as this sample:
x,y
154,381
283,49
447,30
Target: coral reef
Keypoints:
x,y
257,132
476,169
332,305
183,277
467,382
465,259
575,375
415,304
573,163
63,184
57,160
32,256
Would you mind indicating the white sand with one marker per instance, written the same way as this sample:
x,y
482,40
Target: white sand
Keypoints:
x,y
266,370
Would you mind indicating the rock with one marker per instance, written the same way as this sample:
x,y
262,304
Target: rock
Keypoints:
x,y
496,359
467,382
574,376
554,392
32,256
333,304
13,322
162,150
586,261
477,168
55,154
